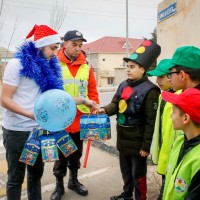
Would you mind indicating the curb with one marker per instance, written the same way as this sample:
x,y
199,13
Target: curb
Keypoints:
x,y
113,150
107,89
104,147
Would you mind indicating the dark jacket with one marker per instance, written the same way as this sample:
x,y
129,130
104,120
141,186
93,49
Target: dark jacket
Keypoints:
x,y
130,140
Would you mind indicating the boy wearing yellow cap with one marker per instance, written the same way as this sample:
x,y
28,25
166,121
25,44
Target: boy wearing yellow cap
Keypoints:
x,y
182,179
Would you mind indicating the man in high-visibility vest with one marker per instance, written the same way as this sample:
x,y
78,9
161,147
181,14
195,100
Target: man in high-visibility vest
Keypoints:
x,y
79,81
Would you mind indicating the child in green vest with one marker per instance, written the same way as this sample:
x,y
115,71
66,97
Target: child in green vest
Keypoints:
x,y
183,175
164,133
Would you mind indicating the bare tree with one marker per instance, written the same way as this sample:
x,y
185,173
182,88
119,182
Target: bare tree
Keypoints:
x,y
57,16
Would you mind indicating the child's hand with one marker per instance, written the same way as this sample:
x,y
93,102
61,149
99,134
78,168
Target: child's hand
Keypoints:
x,y
101,111
143,153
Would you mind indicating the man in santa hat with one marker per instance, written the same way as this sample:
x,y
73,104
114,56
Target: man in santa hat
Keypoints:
x,y
34,70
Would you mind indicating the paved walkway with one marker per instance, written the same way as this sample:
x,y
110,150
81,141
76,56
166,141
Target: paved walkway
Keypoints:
x,y
101,176
103,179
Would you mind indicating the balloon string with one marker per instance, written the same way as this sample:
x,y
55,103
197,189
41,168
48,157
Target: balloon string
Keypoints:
x,y
87,153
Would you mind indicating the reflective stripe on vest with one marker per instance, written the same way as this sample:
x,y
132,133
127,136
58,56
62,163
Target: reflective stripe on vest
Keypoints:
x,y
72,84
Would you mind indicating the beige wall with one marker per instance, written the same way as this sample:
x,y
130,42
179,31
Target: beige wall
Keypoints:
x,y
105,64
103,82
181,29
120,75
111,61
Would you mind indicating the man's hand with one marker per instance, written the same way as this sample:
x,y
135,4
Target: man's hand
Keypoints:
x,y
91,104
30,115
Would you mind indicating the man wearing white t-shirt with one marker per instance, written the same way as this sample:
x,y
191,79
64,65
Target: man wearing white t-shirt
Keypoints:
x,y
34,70
25,78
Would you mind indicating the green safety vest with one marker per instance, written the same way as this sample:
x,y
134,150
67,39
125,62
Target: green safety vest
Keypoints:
x,y
74,85
178,179
160,152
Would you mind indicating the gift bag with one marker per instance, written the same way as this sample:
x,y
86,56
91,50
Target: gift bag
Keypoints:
x,y
95,127
65,143
31,148
49,147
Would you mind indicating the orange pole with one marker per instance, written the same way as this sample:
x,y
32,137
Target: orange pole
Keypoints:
x,y
87,153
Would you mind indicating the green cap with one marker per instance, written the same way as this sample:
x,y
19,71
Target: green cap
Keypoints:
x,y
161,69
186,56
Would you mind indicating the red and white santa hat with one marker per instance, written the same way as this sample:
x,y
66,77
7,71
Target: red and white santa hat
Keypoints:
x,y
44,36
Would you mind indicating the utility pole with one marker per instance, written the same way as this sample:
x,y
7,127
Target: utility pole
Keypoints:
x,y
127,54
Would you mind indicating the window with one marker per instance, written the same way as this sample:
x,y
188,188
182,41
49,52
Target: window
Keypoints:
x,y
110,80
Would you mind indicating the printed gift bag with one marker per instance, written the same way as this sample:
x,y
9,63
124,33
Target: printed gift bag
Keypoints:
x,y
31,148
65,143
49,147
95,127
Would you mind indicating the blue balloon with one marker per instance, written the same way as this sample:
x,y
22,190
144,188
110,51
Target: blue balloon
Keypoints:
x,y
55,110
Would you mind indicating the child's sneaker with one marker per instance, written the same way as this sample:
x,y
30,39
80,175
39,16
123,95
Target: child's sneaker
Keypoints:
x,y
120,197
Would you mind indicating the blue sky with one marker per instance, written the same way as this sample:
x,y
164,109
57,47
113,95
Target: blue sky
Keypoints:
x,y
95,19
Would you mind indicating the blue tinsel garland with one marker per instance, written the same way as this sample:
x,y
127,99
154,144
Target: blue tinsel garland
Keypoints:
x,y
46,73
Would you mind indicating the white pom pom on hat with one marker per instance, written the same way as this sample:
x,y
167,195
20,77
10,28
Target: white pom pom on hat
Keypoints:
x,y
44,36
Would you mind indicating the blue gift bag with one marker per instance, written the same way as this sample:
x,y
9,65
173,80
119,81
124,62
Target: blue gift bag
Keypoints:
x,y
65,143
95,127
31,148
49,147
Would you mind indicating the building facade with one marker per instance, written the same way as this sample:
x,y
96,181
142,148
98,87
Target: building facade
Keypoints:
x,y
5,56
106,57
178,25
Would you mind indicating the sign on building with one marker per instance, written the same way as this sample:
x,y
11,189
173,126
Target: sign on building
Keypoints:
x,y
167,12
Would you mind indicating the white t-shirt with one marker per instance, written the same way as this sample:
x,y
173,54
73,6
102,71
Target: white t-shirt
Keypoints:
x,y
26,94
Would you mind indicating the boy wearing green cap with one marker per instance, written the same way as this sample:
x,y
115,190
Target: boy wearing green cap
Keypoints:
x,y
164,134
185,68
184,73
183,175
135,104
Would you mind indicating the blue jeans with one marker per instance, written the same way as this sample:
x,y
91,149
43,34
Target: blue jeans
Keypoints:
x,y
14,142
